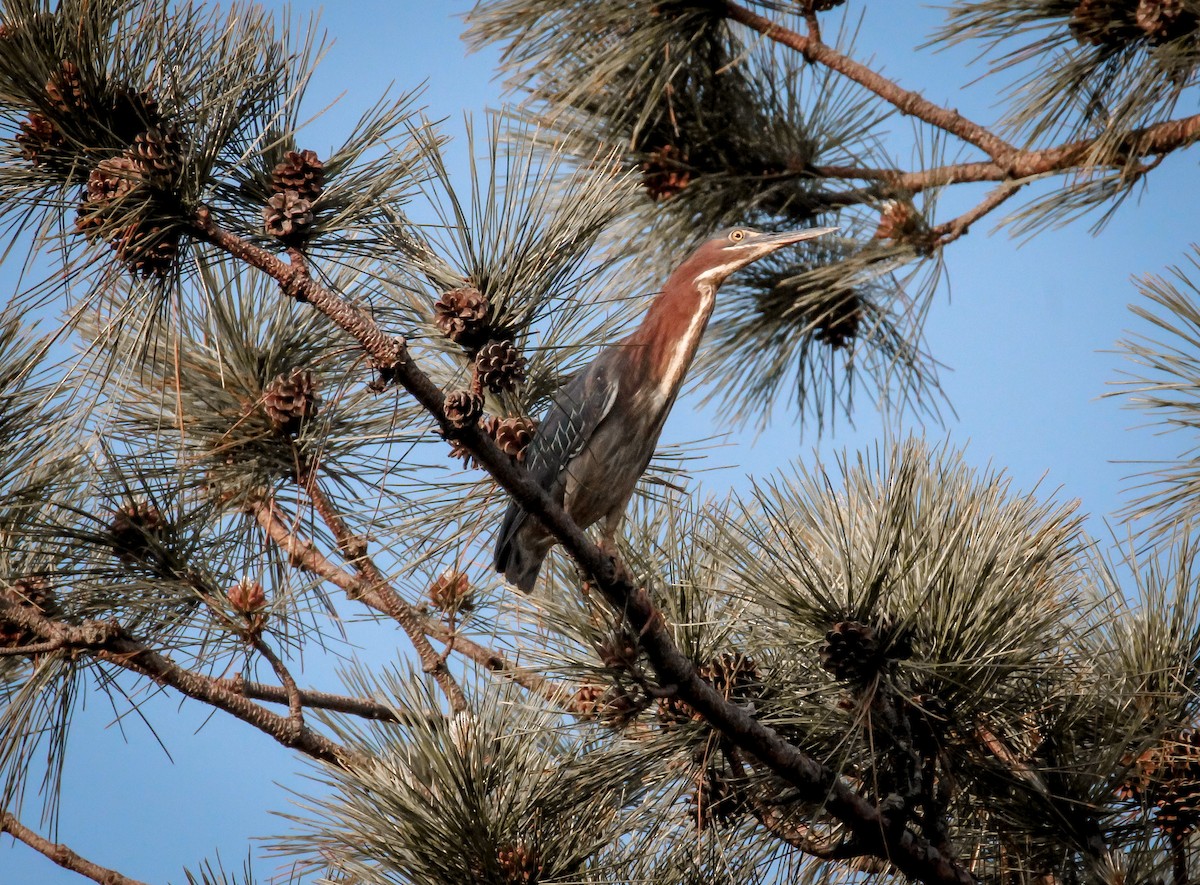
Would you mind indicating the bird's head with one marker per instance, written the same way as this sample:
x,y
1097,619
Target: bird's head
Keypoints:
x,y
733,249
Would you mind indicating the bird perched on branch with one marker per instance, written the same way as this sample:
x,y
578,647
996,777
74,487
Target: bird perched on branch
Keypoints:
x,y
602,428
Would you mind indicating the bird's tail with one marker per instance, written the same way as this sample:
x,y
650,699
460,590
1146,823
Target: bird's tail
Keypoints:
x,y
519,553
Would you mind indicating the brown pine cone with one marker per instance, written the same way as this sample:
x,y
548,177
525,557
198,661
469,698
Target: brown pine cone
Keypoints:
x,y
462,315
451,591
134,529
463,408
1164,20
65,89
157,154
665,173
733,674
1106,23
851,651
287,216
290,400
247,596
714,799
520,863
499,366
37,136
301,172
33,591
512,435
109,182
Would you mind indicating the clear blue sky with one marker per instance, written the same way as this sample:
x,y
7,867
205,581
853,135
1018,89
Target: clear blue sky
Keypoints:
x,y
1024,338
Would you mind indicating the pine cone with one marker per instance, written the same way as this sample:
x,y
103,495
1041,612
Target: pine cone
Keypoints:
x,y
287,216
1106,23
1164,20
291,400
673,712
1167,776
839,323
37,136
157,154
665,173
148,250
65,90
134,530
851,651
519,863
512,435
499,366
462,315
463,408
110,181
733,674
301,172
247,596
898,220
451,592
714,800
33,591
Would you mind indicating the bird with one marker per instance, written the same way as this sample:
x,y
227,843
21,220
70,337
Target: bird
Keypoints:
x,y
602,427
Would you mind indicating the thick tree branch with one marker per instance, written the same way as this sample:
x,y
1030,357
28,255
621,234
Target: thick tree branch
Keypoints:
x,y
108,641
816,782
62,855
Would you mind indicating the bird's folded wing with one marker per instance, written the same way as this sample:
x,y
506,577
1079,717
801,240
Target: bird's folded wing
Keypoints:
x,y
572,418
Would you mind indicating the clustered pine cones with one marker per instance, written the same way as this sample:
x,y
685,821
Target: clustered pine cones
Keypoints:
x,y
1115,24
297,181
134,529
1167,777
519,863
665,173
291,400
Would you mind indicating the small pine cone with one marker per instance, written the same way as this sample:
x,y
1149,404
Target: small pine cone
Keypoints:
x,y
898,220
134,529
1103,23
618,651
520,863
247,596
291,400
512,435
148,251
462,315
1164,20
157,154
463,408
665,173
733,674
109,182
589,700
838,324
300,172
673,712
451,591
851,651
714,800
499,366
33,591
287,216
65,90
38,136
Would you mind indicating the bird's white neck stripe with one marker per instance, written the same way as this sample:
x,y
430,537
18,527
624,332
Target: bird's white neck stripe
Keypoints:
x,y
685,345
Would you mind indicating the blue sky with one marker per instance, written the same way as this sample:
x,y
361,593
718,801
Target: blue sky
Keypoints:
x,y
1024,330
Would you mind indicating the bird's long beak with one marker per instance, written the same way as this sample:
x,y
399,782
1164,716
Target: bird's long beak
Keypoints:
x,y
775,241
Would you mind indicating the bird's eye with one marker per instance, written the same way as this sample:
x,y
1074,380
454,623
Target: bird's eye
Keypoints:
x,y
737,235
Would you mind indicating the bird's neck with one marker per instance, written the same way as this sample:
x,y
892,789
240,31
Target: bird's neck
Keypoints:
x,y
666,341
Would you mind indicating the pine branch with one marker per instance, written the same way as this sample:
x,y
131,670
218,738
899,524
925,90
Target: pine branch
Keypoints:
x,y
108,641
62,855
313,700
816,782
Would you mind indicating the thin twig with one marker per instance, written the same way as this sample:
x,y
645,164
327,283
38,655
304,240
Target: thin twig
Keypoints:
x,y
364,708
294,701
62,855
108,641
951,230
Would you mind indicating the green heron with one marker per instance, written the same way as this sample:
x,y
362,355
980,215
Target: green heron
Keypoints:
x,y
600,432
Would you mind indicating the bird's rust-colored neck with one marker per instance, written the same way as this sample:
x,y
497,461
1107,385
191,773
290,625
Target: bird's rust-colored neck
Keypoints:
x,y
663,346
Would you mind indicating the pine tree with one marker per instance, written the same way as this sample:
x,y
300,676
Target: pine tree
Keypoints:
x,y
297,406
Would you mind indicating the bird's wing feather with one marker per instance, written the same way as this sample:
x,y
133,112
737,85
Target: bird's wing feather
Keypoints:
x,y
573,416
